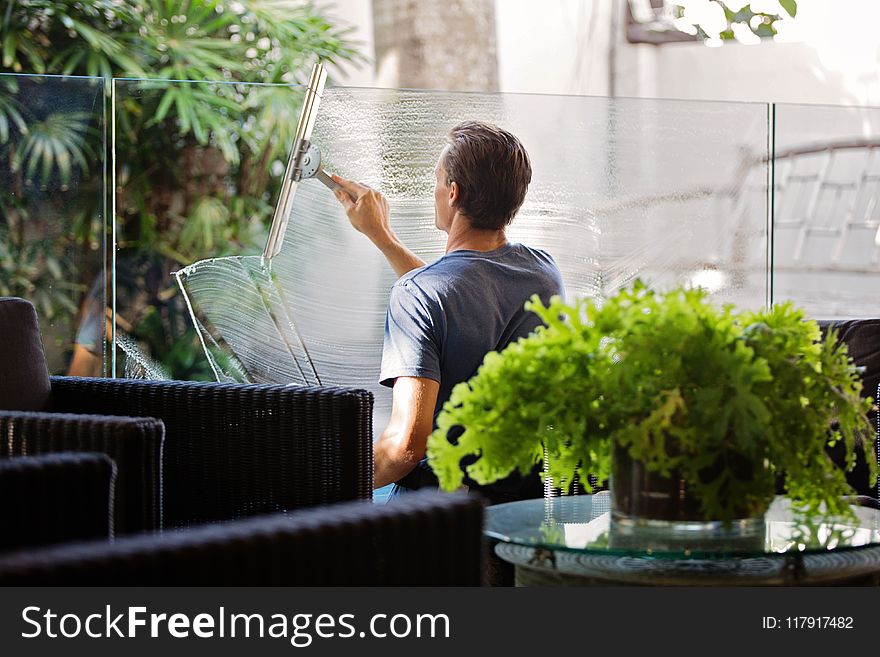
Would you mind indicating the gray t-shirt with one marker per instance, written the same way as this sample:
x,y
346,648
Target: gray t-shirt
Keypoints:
x,y
443,318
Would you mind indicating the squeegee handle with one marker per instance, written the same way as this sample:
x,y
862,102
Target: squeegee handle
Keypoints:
x,y
321,175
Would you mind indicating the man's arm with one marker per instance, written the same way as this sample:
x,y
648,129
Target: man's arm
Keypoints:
x,y
368,213
404,442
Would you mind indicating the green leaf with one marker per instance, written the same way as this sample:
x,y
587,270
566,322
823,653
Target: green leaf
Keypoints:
x,y
164,105
9,44
790,6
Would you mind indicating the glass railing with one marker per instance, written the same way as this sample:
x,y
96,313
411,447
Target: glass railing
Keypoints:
x,y
197,168
826,220
668,191
52,212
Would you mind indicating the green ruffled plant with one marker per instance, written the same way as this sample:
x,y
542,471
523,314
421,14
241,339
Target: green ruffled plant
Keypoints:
x,y
726,400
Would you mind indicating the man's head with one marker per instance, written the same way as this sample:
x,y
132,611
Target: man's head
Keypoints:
x,y
483,174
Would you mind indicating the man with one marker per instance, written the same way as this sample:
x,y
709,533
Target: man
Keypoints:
x,y
443,318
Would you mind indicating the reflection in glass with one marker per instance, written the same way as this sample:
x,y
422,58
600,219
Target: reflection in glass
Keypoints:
x,y
827,209
52,232
197,169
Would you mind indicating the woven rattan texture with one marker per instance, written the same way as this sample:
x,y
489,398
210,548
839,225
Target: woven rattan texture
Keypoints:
x,y
55,498
421,539
235,450
133,443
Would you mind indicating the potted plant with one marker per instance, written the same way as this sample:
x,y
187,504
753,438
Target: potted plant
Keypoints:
x,y
695,411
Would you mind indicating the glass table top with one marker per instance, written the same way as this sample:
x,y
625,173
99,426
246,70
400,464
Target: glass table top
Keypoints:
x,y
584,524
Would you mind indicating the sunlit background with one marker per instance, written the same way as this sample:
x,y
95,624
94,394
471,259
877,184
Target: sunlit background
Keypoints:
x,y
827,52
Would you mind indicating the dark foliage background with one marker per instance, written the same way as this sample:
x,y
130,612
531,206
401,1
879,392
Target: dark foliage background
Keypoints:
x,y
197,164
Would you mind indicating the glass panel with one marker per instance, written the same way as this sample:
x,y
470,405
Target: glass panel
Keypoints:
x,y
52,230
827,209
196,173
670,191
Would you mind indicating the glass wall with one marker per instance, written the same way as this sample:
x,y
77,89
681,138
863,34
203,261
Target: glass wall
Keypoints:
x,y
827,209
52,218
196,171
668,191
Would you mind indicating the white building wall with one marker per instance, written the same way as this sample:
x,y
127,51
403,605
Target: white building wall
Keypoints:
x,y
357,15
564,47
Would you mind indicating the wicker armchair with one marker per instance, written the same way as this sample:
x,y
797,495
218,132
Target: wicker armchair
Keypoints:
x,y
187,452
133,443
57,498
426,539
235,450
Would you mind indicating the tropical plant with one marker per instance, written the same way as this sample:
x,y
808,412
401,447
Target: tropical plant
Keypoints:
x,y
44,149
727,400
197,164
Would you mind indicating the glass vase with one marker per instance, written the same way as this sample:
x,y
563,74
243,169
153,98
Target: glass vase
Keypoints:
x,y
652,512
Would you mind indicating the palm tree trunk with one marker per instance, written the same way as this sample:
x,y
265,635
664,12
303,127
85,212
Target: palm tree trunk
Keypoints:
x,y
436,45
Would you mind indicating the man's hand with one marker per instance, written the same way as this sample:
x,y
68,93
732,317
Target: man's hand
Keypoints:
x,y
367,211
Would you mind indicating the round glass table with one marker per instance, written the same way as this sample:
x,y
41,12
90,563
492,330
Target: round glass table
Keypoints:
x,y
574,541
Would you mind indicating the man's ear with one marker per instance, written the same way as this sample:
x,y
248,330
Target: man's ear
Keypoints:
x,y
453,194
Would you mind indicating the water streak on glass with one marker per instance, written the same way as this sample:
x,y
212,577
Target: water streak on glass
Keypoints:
x,y
672,192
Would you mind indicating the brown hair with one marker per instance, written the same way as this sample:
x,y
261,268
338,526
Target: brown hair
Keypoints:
x,y
492,170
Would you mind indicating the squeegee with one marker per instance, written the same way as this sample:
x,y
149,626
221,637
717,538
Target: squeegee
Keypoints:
x,y
304,162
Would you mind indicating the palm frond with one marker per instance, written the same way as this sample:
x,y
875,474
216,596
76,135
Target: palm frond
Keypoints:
x,y
54,144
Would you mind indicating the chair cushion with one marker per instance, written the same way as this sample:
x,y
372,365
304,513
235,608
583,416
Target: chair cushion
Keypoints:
x,y
24,375
862,338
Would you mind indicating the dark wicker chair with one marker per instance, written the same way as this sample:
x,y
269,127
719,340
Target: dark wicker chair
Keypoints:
x,y
55,498
187,452
427,539
235,450
134,444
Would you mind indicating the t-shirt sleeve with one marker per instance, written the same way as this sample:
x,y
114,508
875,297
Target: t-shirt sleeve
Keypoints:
x,y
411,347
